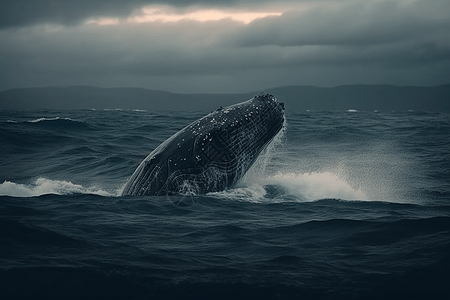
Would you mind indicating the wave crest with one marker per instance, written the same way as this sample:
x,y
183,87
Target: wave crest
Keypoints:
x,y
43,186
314,186
288,187
52,123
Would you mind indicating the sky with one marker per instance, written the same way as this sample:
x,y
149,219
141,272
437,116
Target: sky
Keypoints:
x,y
218,46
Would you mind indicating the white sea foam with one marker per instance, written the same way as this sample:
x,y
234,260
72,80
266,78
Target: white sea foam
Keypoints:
x,y
251,193
43,186
40,120
314,186
300,187
46,119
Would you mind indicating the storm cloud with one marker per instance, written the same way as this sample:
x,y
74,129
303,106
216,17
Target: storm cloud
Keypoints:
x,y
325,43
27,12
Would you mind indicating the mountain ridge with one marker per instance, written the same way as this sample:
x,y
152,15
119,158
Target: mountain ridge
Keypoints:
x,y
296,98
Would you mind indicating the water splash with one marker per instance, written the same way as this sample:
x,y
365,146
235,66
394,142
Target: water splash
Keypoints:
x,y
291,187
266,183
43,186
315,186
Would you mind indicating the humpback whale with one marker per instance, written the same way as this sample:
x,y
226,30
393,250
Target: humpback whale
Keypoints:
x,y
212,153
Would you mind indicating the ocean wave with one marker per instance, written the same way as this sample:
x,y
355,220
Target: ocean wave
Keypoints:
x,y
53,123
19,233
315,185
43,186
38,120
289,187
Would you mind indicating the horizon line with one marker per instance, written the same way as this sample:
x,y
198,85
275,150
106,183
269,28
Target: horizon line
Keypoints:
x,y
209,93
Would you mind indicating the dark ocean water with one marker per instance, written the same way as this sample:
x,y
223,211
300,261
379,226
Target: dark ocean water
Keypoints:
x,y
345,205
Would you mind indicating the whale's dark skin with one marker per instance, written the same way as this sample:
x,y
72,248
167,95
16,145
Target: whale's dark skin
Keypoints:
x,y
212,153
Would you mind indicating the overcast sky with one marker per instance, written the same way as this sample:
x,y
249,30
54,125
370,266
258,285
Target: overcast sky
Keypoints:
x,y
219,46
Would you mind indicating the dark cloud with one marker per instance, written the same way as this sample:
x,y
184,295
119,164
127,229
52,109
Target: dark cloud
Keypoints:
x,y
360,24
395,42
390,34
28,12
16,13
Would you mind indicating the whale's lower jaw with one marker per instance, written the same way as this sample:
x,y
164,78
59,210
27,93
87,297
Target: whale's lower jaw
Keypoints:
x,y
212,153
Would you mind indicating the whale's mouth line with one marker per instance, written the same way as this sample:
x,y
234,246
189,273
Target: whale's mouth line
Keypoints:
x,y
212,153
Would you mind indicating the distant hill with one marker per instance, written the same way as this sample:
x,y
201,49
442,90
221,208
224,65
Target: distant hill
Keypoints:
x,y
366,97
87,97
296,98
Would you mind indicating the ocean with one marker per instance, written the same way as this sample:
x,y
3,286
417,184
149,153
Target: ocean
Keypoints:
x,y
342,205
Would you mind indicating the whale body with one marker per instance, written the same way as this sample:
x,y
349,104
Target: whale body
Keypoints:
x,y
212,153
